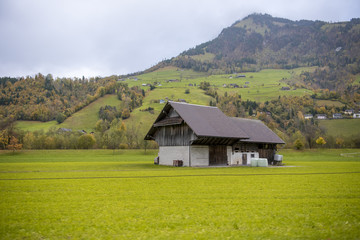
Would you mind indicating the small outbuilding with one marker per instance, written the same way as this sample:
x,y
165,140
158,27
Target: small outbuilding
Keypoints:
x,y
349,111
321,116
337,116
308,116
204,136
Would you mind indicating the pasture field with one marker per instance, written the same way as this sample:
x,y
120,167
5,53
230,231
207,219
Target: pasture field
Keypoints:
x,y
323,103
96,194
262,86
33,126
341,127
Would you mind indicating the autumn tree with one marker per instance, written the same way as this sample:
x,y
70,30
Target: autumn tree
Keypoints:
x,y
60,117
125,113
4,138
29,139
298,144
86,141
14,144
320,141
339,141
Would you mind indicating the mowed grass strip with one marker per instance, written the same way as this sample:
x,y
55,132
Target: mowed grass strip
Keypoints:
x,y
207,203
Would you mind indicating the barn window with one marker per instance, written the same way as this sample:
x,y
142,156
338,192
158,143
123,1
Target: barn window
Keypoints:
x,y
252,155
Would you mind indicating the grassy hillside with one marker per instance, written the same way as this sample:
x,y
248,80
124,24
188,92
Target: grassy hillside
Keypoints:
x,y
84,119
144,119
96,194
263,86
87,117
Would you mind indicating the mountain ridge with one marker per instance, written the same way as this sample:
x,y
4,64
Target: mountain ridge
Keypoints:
x,y
260,41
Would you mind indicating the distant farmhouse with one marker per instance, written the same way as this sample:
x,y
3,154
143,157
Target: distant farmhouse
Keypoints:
x,y
321,116
349,111
308,116
337,116
356,115
204,136
285,88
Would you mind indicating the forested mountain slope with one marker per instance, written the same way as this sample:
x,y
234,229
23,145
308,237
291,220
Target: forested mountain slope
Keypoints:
x,y
262,41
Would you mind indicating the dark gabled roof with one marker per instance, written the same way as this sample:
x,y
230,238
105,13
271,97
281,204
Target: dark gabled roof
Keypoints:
x,y
211,122
169,121
207,121
257,131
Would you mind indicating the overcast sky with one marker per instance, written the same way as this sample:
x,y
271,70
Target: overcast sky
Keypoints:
x,y
69,38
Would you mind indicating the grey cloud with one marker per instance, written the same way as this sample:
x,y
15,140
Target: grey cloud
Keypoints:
x,y
104,37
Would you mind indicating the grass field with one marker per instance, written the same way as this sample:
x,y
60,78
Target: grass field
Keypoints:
x,y
341,127
96,194
35,125
323,103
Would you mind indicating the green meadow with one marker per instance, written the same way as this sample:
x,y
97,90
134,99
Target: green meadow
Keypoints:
x,y
341,127
101,194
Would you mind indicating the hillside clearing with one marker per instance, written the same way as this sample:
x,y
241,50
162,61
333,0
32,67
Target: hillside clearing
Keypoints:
x,y
85,119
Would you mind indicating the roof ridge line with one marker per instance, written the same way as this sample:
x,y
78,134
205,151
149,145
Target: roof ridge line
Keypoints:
x,y
191,104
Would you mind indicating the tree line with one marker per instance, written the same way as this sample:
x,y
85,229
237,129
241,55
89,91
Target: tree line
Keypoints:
x,y
43,98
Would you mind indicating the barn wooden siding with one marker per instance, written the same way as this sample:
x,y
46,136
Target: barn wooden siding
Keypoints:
x,y
217,155
245,147
174,135
267,151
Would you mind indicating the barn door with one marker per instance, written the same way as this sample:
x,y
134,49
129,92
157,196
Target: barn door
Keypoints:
x,y
217,155
244,159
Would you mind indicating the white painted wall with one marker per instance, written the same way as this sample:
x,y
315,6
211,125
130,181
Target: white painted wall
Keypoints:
x,y
169,153
199,155
236,157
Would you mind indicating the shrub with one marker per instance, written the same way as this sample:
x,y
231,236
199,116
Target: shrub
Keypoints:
x,y
86,141
123,146
298,144
60,117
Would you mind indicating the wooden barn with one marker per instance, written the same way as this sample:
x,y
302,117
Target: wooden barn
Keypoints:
x,y
204,136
